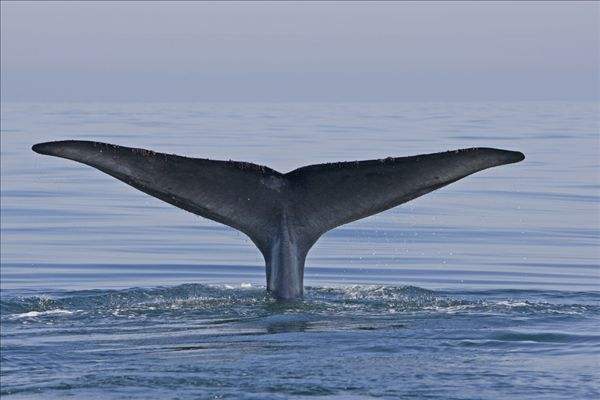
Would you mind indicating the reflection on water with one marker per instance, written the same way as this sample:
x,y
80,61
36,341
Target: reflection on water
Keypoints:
x,y
109,293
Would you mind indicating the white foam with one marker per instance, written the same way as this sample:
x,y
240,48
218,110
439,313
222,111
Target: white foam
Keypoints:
x,y
33,314
511,303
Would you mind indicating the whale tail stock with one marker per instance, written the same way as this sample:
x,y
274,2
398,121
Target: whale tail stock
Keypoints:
x,y
283,214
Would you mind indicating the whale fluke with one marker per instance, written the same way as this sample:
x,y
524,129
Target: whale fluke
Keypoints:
x,y
338,193
283,214
232,193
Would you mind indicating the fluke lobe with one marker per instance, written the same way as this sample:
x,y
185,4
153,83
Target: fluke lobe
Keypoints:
x,y
283,214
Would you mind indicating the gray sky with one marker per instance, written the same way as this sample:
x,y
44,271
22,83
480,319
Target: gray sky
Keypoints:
x,y
335,51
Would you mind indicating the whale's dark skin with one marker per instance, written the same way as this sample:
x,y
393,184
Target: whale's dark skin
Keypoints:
x,y
283,214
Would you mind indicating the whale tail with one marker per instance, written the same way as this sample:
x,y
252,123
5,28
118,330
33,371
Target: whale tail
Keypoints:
x,y
283,214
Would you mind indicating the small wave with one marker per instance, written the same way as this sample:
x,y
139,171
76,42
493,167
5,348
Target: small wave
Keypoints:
x,y
545,337
33,314
248,301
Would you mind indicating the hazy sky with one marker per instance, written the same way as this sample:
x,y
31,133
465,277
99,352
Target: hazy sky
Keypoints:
x,y
268,51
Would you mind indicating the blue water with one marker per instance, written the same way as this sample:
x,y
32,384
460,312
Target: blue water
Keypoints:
x,y
488,288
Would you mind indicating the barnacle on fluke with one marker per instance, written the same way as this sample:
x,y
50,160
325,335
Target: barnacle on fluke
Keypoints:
x,y
248,166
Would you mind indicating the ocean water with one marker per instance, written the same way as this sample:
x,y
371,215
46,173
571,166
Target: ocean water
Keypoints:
x,y
488,288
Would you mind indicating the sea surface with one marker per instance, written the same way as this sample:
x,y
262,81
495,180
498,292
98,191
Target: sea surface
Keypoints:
x,y
486,289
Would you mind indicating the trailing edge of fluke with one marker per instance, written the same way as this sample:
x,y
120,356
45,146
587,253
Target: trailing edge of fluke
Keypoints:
x,y
283,214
